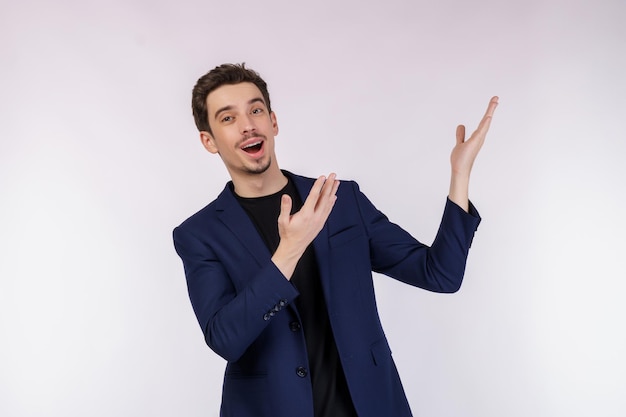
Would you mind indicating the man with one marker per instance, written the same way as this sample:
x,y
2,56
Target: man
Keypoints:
x,y
279,266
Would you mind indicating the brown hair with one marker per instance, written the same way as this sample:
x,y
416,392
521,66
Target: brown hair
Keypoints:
x,y
217,77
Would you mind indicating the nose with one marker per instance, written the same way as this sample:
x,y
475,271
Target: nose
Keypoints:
x,y
246,124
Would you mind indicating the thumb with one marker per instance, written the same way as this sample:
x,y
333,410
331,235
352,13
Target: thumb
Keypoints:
x,y
460,134
285,209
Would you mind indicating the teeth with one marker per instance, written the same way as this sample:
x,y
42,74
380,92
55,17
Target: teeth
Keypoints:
x,y
251,145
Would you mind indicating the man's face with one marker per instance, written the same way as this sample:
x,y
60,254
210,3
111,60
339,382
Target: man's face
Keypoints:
x,y
243,129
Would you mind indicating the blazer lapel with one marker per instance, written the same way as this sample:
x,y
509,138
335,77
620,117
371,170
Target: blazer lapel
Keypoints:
x,y
230,212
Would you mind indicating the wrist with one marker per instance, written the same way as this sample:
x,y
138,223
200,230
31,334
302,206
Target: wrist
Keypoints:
x,y
286,258
459,190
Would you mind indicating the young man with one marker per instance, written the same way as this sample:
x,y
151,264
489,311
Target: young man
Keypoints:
x,y
279,266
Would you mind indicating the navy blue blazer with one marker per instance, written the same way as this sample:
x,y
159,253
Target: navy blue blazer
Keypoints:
x,y
244,304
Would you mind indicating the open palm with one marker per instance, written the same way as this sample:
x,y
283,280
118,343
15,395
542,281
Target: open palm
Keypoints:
x,y
465,152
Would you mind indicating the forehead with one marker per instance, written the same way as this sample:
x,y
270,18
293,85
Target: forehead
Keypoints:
x,y
232,95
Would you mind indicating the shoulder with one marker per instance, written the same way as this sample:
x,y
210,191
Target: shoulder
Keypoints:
x,y
209,212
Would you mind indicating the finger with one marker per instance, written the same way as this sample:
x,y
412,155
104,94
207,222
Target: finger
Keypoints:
x,y
333,194
460,134
328,184
285,209
314,194
485,123
335,187
491,108
483,126
327,195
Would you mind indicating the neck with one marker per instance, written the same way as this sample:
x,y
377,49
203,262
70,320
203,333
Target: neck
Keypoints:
x,y
259,185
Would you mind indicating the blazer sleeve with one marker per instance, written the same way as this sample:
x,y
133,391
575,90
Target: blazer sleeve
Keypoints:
x,y
231,318
394,252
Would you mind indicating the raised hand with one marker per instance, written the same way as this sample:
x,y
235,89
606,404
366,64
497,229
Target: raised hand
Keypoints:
x,y
464,154
297,231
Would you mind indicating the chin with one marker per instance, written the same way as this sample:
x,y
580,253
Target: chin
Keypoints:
x,y
261,168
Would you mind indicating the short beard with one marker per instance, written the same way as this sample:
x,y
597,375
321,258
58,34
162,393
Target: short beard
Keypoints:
x,y
259,169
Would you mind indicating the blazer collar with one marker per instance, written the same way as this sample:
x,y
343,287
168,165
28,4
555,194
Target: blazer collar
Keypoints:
x,y
235,218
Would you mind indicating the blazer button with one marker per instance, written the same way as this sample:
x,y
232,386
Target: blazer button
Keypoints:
x,y
294,326
301,372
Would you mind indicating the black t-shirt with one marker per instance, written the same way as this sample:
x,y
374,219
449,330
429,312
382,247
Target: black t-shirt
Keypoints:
x,y
331,397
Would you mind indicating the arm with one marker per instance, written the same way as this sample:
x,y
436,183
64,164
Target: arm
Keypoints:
x,y
395,253
463,157
441,266
231,296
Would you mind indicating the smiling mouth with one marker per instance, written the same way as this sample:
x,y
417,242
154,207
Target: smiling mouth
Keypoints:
x,y
253,147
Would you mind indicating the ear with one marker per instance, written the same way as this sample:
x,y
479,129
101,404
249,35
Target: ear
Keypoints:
x,y
208,141
274,123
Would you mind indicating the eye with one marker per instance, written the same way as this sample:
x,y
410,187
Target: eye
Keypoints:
x,y
258,110
226,119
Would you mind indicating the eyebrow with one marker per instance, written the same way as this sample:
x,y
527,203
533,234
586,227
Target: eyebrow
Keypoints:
x,y
230,107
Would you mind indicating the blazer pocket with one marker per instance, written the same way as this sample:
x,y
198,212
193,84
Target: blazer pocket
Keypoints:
x,y
246,375
345,236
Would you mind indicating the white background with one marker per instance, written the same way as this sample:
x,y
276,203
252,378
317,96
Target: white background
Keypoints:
x,y
99,160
